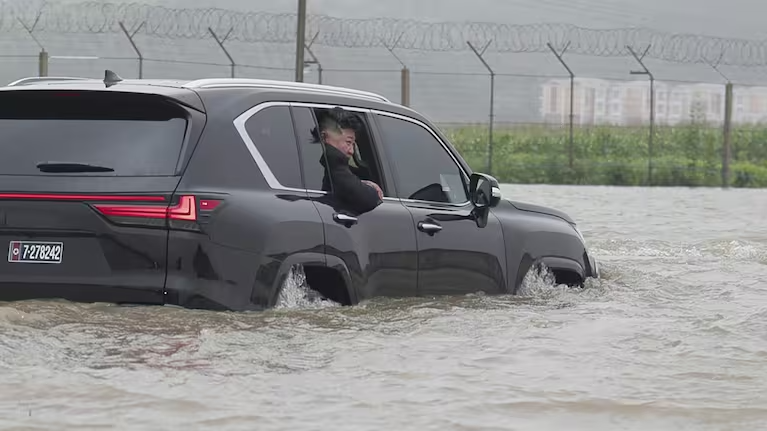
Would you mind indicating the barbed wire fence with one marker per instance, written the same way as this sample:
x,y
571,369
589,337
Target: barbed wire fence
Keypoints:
x,y
95,17
408,41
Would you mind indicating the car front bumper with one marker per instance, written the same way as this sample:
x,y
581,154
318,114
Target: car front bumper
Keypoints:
x,y
594,265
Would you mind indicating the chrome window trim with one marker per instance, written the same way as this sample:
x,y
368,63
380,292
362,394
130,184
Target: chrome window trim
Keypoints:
x,y
284,85
274,183
266,171
328,106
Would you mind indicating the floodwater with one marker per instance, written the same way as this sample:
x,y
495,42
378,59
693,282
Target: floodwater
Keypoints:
x,y
674,337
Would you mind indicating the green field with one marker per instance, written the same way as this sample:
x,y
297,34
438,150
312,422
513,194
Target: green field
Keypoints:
x,y
687,155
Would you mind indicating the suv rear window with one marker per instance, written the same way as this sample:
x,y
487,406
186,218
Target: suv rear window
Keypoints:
x,y
131,134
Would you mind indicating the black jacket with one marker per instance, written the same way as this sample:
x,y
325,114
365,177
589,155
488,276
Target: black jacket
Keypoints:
x,y
350,192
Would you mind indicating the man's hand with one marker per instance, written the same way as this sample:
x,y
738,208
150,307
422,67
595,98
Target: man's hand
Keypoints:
x,y
375,186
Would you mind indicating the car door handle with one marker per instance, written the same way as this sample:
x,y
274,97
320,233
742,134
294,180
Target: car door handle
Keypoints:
x,y
344,219
429,227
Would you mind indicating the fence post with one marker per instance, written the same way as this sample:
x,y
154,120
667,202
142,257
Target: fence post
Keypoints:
x,y
42,64
647,72
572,95
221,42
405,86
404,73
314,60
492,104
727,141
300,40
130,36
727,124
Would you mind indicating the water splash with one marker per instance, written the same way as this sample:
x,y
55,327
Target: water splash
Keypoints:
x,y
542,284
541,287
9,314
731,250
296,293
739,250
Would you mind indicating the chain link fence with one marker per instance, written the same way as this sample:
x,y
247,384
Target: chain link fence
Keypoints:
x,y
562,107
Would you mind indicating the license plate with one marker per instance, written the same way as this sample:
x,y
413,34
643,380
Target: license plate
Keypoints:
x,y
35,252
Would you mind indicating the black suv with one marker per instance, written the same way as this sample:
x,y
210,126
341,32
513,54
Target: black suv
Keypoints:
x,y
207,193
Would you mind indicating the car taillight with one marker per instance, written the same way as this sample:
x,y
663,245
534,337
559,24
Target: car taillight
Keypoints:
x,y
184,210
79,197
209,204
189,213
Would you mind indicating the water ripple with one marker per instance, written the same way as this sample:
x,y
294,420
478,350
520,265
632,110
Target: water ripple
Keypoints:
x,y
672,337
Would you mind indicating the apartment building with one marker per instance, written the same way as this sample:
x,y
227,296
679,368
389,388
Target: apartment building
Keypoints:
x,y
599,101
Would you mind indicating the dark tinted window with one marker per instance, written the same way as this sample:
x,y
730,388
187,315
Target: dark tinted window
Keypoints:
x,y
424,169
272,131
135,135
311,150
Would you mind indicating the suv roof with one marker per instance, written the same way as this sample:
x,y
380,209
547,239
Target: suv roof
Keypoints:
x,y
206,83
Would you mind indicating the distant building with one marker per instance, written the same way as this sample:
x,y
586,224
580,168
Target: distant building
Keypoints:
x,y
599,101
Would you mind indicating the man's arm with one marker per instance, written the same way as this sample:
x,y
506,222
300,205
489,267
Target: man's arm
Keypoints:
x,y
352,191
375,186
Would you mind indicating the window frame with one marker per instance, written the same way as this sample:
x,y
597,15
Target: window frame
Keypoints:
x,y
261,163
291,122
465,176
378,147
370,130
299,145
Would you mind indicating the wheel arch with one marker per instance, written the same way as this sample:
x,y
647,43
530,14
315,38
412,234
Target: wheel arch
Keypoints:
x,y
565,270
327,267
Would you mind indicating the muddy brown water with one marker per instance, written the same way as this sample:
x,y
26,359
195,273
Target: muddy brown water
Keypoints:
x,y
674,337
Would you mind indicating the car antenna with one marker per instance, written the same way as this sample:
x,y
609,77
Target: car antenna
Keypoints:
x,y
111,78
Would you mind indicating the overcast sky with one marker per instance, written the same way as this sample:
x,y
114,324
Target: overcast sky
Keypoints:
x,y
724,18
731,18
517,93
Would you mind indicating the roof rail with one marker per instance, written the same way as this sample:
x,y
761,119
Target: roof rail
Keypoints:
x,y
284,85
34,79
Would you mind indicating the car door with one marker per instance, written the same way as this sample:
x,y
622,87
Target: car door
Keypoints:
x,y
455,255
378,247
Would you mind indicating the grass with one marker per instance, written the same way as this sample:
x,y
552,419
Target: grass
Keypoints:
x,y
685,155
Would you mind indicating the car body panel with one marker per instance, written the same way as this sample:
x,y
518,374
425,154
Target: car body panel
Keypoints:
x,y
236,260
379,250
462,257
533,237
254,231
101,261
104,258
523,206
168,89
379,263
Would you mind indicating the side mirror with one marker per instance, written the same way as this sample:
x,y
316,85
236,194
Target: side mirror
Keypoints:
x,y
484,190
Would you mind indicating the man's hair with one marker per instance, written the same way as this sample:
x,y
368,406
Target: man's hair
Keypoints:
x,y
337,119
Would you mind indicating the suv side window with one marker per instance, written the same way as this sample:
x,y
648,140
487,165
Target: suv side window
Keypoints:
x,y
425,171
311,149
271,130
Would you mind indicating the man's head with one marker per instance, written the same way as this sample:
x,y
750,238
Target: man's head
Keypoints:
x,y
338,129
